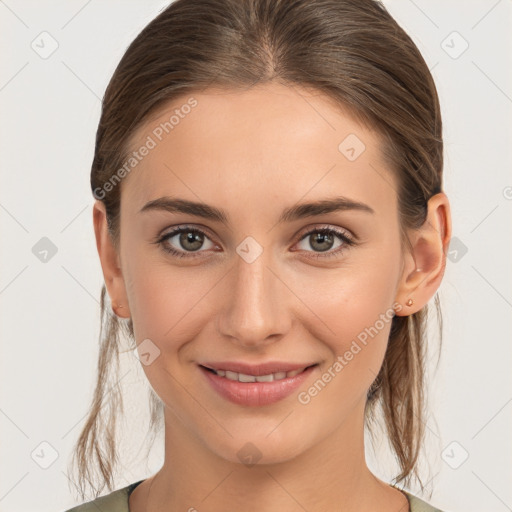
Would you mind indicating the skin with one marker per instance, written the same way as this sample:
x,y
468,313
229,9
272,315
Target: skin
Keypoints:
x,y
254,153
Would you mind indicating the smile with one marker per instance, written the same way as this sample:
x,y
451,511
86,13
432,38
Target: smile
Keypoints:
x,y
256,390
242,377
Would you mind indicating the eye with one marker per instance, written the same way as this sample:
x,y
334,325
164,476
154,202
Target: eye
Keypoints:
x,y
185,241
323,239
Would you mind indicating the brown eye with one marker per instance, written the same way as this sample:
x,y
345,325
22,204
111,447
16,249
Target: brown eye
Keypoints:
x,y
185,240
191,240
323,240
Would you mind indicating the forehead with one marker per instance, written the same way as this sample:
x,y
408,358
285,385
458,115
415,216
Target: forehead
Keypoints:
x,y
266,142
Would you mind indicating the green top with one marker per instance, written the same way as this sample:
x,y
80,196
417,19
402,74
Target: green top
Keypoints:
x,y
117,501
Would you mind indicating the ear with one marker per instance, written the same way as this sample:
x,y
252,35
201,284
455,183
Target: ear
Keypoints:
x,y
110,262
424,266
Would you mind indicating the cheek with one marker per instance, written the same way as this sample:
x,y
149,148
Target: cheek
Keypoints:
x,y
359,335
347,300
356,322
168,304
171,309
353,317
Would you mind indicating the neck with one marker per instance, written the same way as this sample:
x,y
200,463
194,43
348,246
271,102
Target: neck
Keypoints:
x,y
330,475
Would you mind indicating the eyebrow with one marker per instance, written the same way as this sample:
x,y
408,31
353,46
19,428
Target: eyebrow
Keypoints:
x,y
296,212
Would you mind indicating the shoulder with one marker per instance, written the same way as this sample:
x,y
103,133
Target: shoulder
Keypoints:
x,y
116,501
418,505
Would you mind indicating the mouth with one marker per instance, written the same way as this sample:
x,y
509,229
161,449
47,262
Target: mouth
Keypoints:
x,y
245,377
257,390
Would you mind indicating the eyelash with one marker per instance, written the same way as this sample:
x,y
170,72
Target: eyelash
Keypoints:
x,y
347,242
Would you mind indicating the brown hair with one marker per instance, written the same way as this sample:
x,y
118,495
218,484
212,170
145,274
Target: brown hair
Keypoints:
x,y
352,51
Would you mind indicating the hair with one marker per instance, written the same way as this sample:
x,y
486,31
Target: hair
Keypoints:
x,y
354,53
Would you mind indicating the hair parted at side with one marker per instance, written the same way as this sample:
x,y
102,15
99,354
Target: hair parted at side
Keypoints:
x,y
352,51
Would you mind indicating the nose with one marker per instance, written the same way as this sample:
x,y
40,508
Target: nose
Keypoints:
x,y
256,310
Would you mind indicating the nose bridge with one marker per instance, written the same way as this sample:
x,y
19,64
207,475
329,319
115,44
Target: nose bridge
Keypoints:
x,y
255,311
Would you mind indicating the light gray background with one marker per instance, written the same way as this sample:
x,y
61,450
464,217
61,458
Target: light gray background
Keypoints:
x,y
50,310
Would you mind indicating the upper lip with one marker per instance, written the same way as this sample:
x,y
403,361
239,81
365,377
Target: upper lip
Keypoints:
x,y
256,369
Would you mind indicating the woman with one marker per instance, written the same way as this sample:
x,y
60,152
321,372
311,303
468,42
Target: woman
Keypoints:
x,y
271,227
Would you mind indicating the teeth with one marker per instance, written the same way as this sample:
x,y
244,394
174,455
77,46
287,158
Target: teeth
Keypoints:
x,y
265,378
294,372
242,377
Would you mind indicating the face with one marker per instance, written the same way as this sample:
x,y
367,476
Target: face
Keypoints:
x,y
265,278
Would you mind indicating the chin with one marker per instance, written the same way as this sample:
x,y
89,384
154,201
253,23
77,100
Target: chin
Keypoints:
x,y
257,448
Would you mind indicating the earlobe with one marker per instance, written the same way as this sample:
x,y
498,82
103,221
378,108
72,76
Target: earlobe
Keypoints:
x,y
110,262
425,265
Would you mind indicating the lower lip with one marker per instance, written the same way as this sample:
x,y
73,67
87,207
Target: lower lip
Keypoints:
x,y
256,393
